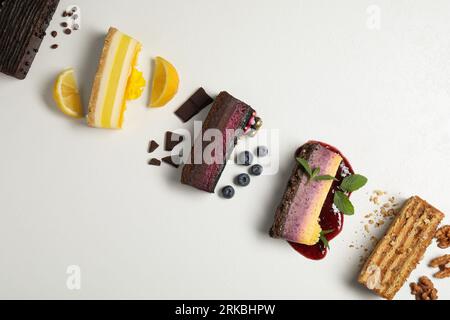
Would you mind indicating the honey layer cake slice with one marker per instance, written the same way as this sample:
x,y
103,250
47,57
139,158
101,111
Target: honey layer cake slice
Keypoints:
x,y
400,250
108,98
22,28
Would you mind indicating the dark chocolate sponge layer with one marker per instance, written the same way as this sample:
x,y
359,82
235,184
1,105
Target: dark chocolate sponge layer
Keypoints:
x,y
22,28
229,113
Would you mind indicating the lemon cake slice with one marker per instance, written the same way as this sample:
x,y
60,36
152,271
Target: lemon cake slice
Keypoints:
x,y
115,77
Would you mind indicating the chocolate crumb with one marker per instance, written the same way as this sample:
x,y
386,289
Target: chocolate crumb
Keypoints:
x,y
152,146
170,161
172,140
54,46
154,162
67,31
54,34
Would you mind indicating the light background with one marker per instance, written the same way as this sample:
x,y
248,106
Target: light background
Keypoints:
x,y
72,195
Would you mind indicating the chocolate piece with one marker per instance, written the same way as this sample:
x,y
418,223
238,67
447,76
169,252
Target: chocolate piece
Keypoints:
x,y
67,31
196,103
64,24
22,28
227,114
169,160
172,140
152,146
54,34
54,46
154,162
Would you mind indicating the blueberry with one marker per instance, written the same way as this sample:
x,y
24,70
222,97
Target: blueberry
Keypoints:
x,y
262,151
256,170
243,180
228,192
245,158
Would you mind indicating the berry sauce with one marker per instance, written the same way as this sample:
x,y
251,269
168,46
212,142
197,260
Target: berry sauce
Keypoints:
x,y
330,217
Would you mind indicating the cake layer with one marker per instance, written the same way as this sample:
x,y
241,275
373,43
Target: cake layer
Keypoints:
x,y
22,28
227,113
108,98
297,217
401,249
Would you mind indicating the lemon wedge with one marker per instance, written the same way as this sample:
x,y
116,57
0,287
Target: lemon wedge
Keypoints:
x,y
66,95
165,83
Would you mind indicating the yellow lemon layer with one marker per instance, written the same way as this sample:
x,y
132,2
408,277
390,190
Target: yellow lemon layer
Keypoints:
x,y
109,93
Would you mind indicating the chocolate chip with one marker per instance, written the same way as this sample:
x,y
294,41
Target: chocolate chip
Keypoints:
x,y
54,46
76,26
69,14
172,140
170,161
67,31
64,14
152,146
64,24
54,34
154,162
75,17
196,103
74,9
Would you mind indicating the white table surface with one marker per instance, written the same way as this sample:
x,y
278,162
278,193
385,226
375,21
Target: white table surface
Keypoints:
x,y
72,195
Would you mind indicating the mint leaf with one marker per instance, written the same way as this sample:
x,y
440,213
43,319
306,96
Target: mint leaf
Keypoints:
x,y
315,172
305,166
324,177
324,239
353,183
325,232
342,202
325,242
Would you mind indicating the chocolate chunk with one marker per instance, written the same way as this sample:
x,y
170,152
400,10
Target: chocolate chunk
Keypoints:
x,y
154,162
172,140
196,103
23,24
54,34
152,146
54,46
170,161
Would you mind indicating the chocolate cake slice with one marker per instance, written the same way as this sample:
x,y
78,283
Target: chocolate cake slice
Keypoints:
x,y
297,217
22,28
228,115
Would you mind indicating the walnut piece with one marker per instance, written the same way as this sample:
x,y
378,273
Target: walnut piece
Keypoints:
x,y
443,263
443,237
424,289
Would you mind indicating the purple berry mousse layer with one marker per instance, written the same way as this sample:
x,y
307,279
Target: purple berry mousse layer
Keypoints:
x,y
297,217
226,114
